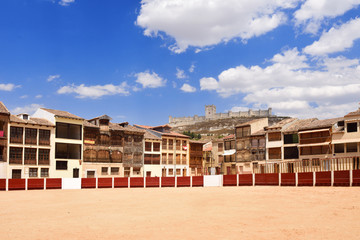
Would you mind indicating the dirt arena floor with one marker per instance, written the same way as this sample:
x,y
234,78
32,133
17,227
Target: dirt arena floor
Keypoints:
x,y
182,213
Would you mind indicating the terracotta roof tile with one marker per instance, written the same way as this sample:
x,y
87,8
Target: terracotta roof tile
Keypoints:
x,y
34,121
63,114
317,124
231,136
294,127
355,113
3,109
259,133
249,122
89,124
150,135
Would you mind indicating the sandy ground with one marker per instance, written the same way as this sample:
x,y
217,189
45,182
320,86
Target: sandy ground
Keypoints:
x,y
182,213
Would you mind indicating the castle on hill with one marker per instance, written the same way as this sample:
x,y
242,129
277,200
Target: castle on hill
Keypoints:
x,y
210,114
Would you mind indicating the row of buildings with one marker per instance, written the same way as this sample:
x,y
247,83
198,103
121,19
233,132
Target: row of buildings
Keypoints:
x,y
58,144
291,145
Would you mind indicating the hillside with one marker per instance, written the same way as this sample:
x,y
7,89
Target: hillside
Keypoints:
x,y
212,129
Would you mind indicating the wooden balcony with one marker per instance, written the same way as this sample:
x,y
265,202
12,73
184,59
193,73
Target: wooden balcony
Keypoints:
x,y
44,162
30,161
15,161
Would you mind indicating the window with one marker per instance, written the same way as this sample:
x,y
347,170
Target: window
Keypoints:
x,y
291,153
68,151
148,146
30,156
164,144
339,148
44,137
33,172
61,165
171,171
127,172
170,158
351,127
178,172
136,171
16,135
274,136
44,157
2,154
15,155
16,173
104,171
31,136
220,147
90,174
163,158
274,153
171,144
351,147
147,158
156,147
291,138
69,131
44,172
114,171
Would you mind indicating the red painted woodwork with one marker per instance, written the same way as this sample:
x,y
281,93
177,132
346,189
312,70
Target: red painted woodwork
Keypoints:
x,y
2,184
152,181
288,179
104,182
183,182
342,178
88,183
136,182
323,178
35,184
245,180
16,184
197,181
356,178
267,179
168,182
53,183
305,179
229,180
121,182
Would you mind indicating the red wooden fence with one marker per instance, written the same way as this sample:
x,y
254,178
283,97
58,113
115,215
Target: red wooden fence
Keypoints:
x,y
53,183
136,182
342,178
168,182
305,179
121,182
2,184
245,179
323,178
197,181
152,181
35,183
229,180
88,183
356,178
183,182
16,184
104,182
288,179
267,179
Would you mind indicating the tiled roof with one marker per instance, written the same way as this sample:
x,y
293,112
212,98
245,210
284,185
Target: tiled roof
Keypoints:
x,y
317,124
63,114
281,124
34,121
142,126
198,141
294,127
114,126
89,124
3,109
259,133
102,117
174,134
231,136
249,122
355,113
150,135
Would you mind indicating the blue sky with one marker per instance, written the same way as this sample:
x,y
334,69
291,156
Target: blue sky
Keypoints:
x,y
141,61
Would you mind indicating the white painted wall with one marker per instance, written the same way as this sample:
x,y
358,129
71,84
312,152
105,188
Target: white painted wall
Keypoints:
x,y
71,183
213,180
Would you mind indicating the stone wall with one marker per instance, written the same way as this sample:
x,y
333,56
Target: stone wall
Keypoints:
x,y
182,121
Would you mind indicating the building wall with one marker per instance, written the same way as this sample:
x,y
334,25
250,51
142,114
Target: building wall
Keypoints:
x,y
182,152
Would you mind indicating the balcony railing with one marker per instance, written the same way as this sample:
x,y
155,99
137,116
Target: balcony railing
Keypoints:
x,y
30,161
15,161
44,161
16,140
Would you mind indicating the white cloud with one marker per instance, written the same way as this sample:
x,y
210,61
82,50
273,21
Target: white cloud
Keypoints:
x,y
337,39
291,87
8,87
188,88
239,109
150,80
38,96
204,23
192,68
66,2
53,77
96,91
313,12
180,74
29,109
24,96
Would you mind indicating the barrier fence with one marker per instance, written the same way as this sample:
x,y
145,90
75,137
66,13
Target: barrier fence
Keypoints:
x,y
326,178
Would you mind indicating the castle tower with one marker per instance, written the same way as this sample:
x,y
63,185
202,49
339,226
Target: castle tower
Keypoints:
x,y
210,111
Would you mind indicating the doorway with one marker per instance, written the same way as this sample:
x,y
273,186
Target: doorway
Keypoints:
x,y
75,173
